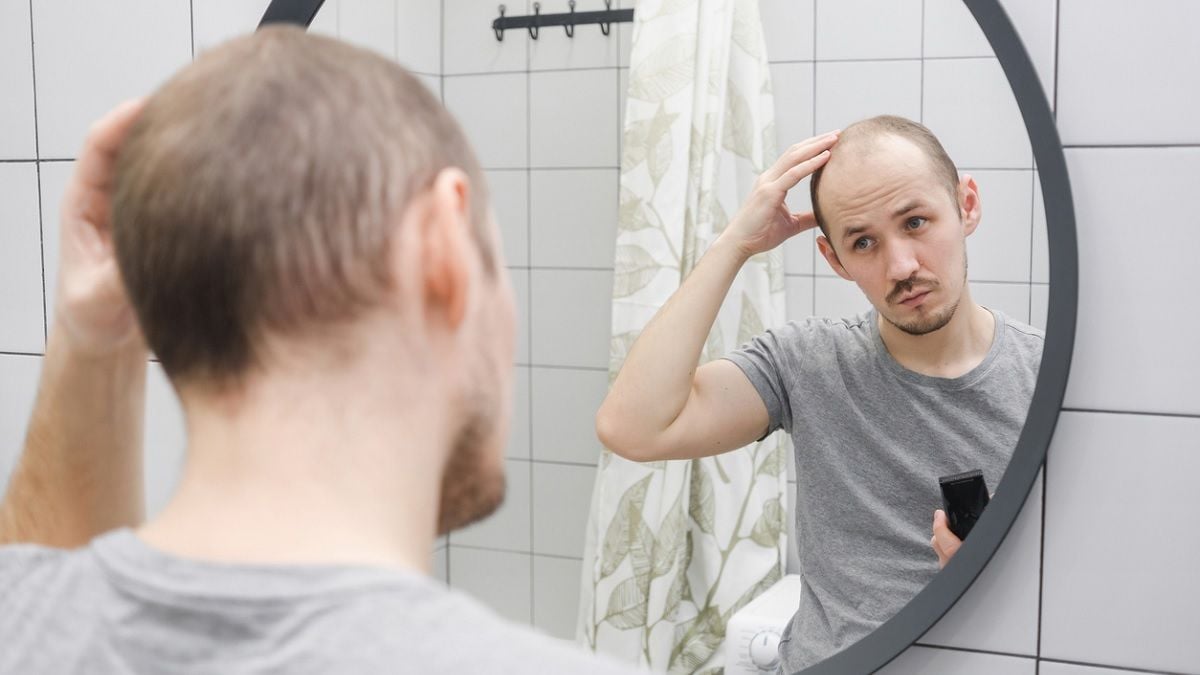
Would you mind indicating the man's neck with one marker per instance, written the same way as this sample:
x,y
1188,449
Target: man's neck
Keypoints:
x,y
951,351
308,473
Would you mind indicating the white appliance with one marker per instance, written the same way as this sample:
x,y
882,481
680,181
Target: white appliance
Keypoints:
x,y
752,635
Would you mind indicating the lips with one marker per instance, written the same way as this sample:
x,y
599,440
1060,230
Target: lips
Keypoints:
x,y
914,299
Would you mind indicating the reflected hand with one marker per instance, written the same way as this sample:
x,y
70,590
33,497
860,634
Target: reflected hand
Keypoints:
x,y
764,221
92,309
944,542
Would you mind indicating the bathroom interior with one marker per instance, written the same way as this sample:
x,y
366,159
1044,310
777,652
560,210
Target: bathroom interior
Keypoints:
x,y
1069,591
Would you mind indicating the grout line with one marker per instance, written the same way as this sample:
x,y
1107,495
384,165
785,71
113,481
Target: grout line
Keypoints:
x,y
557,168
826,275
192,25
1057,41
922,102
37,151
1042,560
813,252
1118,146
1102,411
30,354
972,650
1033,176
529,293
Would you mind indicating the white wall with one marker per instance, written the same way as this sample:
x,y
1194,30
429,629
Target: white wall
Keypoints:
x,y
1113,585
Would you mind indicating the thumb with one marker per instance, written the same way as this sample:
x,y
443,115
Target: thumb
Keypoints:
x,y
945,542
802,222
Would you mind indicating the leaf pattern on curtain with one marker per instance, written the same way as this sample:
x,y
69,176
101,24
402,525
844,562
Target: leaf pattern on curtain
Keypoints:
x,y
674,548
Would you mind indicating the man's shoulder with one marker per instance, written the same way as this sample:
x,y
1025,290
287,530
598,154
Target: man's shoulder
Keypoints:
x,y
1022,338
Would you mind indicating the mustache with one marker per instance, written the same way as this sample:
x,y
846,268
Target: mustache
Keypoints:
x,y
908,285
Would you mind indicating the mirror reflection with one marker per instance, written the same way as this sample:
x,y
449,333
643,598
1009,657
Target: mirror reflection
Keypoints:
x,y
772,276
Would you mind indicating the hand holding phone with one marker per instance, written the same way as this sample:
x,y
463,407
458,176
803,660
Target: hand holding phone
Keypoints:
x,y
964,496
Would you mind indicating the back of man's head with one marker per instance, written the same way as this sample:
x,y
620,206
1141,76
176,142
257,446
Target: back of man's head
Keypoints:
x,y
863,137
258,192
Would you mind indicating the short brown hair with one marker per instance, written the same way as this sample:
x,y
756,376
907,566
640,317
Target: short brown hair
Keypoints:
x,y
259,189
870,129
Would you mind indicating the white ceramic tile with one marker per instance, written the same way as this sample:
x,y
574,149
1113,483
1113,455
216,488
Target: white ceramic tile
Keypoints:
x,y
17,139
562,495
54,176
520,285
556,595
573,119
951,30
498,579
432,83
519,431
837,298
326,20
792,84
571,317
999,612
624,33
565,402
371,24
508,527
999,249
800,252
18,388
970,107
215,21
868,29
1053,668
419,35
933,661
468,43
1039,305
1119,571
1041,245
799,297
165,440
21,317
849,92
1136,347
789,29
509,192
590,48
623,93
1036,22
1012,299
1139,92
440,564
91,56
573,217
492,111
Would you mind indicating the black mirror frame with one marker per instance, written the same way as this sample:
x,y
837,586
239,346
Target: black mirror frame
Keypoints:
x,y
923,611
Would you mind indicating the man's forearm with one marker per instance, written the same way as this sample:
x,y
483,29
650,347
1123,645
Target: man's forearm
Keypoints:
x,y
656,379
80,473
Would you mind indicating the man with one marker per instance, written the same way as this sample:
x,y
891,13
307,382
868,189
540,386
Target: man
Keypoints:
x,y
879,406
306,243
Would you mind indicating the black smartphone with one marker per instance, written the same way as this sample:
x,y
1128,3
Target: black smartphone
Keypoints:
x,y
964,496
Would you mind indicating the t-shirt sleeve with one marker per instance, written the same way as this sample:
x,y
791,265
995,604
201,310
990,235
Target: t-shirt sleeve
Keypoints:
x,y
770,361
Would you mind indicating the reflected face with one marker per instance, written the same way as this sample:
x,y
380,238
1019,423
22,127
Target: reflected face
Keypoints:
x,y
897,232
473,484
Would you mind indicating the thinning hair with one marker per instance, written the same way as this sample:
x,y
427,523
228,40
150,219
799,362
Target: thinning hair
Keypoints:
x,y
259,190
869,131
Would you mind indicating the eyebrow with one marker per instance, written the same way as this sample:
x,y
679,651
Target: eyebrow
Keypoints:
x,y
859,229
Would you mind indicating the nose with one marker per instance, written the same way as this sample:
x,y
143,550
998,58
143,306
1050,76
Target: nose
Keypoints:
x,y
901,261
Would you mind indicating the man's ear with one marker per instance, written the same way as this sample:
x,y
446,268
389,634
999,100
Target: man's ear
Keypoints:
x,y
831,257
970,209
446,247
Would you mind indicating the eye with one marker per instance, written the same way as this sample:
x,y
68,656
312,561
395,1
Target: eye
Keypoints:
x,y
862,243
915,223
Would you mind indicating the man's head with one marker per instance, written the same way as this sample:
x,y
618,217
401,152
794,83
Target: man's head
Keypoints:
x,y
290,194
895,216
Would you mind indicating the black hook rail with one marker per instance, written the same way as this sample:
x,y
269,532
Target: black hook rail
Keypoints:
x,y
568,20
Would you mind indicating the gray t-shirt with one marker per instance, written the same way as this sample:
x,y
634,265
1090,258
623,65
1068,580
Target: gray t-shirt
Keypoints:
x,y
871,440
119,606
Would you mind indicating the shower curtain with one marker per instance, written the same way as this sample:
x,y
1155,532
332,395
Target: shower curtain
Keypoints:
x,y
675,548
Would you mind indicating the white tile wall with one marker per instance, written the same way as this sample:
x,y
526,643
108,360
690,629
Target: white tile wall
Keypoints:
x,y
788,28
508,529
509,192
867,29
1107,97
556,595
573,118
470,46
571,312
1119,570
573,217
214,21
371,24
165,440
91,56
968,104
1136,275
926,661
492,110
53,177
850,91
951,30
999,249
17,138
565,401
561,496
18,387
419,35
21,316
498,578
1012,299
590,48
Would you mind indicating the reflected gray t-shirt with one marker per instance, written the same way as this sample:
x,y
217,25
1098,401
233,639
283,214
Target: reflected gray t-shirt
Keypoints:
x,y
119,606
871,440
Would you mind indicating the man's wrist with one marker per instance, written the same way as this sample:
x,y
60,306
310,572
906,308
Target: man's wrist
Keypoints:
x,y
727,246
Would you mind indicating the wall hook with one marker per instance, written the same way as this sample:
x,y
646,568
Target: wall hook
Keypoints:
x,y
537,13
570,27
496,27
606,27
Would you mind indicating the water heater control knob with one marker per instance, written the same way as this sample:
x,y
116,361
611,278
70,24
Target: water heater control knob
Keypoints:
x,y
764,650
